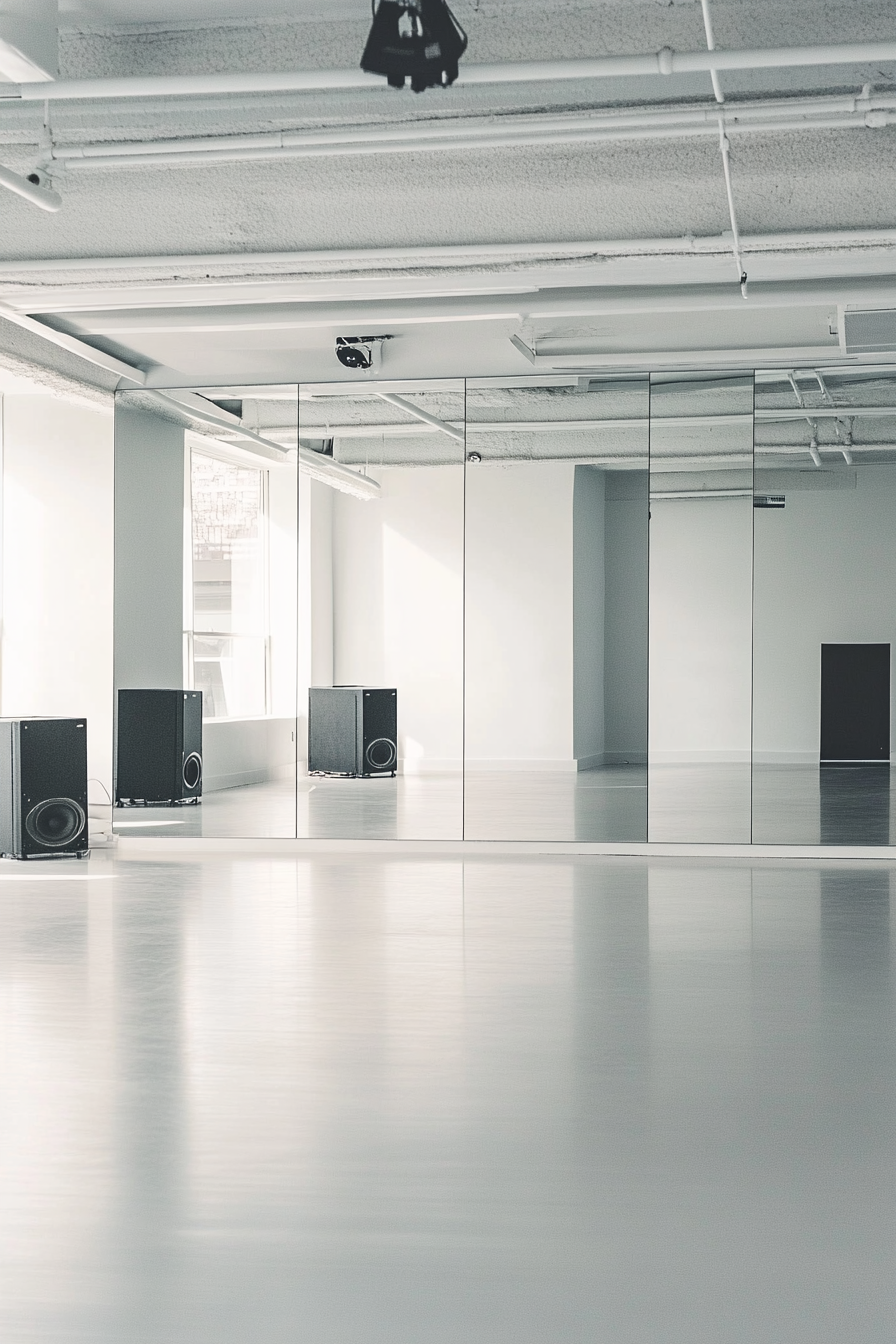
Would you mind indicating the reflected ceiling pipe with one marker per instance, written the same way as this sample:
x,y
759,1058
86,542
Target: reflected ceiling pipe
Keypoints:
x,y
813,446
441,425
846,442
659,63
324,469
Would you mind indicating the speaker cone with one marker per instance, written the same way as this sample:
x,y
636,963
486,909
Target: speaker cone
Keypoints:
x,y
381,754
55,822
193,770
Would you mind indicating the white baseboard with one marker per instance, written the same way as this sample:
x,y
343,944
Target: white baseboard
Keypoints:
x,y
503,765
732,756
242,778
625,758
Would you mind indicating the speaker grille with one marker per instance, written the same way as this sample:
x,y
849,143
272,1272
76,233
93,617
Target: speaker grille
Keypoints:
x,y
192,770
55,822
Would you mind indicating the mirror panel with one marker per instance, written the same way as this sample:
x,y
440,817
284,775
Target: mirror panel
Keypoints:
x,y
556,608
825,605
206,515
381,610
701,561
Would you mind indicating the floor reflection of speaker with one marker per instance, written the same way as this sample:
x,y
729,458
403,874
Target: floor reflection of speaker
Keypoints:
x,y
43,788
159,747
352,731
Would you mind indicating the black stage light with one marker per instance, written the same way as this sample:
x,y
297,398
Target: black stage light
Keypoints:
x,y
419,40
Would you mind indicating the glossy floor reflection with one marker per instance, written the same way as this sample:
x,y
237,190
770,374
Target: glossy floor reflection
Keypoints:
x,y
420,1102
830,805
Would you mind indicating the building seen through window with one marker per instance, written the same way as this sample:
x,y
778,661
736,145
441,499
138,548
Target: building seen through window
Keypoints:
x,y
228,639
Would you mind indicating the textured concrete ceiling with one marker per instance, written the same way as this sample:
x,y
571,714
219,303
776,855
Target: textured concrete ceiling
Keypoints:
x,y
820,181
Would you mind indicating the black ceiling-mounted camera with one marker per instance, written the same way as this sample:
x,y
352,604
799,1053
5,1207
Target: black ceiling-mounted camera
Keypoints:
x,y
359,352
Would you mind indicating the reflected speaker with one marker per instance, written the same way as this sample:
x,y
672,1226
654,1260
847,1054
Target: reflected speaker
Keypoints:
x,y
158,748
43,788
352,730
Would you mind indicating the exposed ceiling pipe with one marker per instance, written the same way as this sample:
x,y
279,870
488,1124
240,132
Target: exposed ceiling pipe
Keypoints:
x,y
463,135
545,253
441,425
32,192
545,303
664,62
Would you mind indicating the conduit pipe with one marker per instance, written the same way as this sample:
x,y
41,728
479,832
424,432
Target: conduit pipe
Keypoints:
x,y
545,303
664,62
463,135
43,197
430,420
352,259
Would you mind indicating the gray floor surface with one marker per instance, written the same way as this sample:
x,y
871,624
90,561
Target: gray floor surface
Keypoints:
x,y
399,1101
728,804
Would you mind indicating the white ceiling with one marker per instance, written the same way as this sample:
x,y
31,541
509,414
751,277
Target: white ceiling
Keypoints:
x,y
827,182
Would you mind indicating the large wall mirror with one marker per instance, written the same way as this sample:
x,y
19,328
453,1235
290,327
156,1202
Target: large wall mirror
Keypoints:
x,y
556,609
561,607
701,574
825,605
206,612
381,702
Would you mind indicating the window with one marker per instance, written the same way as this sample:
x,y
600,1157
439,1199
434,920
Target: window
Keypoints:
x,y
228,640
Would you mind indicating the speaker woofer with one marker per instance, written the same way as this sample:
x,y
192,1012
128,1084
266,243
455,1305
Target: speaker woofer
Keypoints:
x,y
55,822
193,770
381,754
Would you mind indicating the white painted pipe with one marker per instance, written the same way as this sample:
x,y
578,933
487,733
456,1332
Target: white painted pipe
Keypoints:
x,y
43,197
455,138
546,303
419,414
663,62
352,259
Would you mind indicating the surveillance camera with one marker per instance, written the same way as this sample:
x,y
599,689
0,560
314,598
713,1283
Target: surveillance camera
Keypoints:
x,y
474,457
361,352
39,178
353,352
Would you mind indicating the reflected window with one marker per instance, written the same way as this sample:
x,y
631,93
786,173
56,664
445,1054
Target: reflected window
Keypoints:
x,y
228,643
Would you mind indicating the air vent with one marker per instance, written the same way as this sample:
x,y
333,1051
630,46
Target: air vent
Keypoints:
x,y
866,333
768,501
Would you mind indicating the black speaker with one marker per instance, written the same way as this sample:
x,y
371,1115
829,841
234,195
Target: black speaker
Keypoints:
x,y
159,748
43,788
352,730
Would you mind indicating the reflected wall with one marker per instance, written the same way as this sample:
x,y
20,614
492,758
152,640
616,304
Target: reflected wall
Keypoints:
x,y
701,561
556,609
381,503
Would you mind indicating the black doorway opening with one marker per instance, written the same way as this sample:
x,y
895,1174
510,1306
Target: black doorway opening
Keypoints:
x,y
855,704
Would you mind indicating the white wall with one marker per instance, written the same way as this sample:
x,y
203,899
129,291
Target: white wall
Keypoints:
x,y
58,567
700,629
825,572
397,585
588,616
283,587
519,609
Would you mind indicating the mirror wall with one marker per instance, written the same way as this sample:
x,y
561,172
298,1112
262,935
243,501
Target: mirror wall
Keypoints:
x,y
825,606
597,608
556,609
381,609
701,575
206,528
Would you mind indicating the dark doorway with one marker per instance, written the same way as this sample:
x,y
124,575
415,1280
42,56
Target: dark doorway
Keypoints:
x,y
855,703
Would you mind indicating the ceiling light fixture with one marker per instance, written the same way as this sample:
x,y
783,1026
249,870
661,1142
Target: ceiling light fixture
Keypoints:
x,y
416,40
